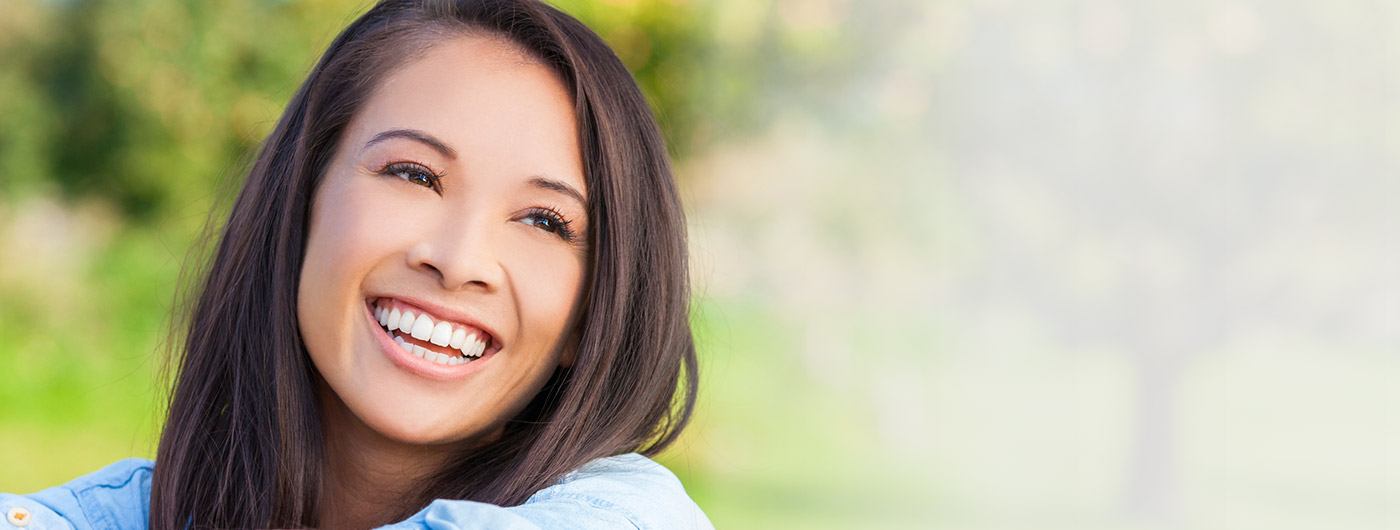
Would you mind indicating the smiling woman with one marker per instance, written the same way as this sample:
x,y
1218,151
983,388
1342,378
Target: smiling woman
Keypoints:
x,y
451,294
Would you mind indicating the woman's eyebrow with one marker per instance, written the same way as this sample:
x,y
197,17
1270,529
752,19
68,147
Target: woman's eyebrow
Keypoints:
x,y
415,135
560,187
438,145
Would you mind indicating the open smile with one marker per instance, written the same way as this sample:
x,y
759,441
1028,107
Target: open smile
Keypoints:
x,y
427,344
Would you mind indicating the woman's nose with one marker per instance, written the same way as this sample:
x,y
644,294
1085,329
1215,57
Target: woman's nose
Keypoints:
x,y
459,253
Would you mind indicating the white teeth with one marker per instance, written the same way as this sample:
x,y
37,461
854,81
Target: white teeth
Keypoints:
x,y
430,355
473,346
391,321
442,334
422,328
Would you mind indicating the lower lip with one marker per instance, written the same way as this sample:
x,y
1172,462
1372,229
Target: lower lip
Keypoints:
x,y
419,366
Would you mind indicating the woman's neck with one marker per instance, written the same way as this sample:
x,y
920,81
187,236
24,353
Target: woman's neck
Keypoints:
x,y
368,478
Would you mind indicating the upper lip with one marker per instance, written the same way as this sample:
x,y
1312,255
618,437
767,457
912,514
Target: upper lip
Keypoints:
x,y
444,312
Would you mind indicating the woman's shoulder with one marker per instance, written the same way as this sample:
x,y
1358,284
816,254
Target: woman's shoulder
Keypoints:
x,y
622,491
630,474
116,496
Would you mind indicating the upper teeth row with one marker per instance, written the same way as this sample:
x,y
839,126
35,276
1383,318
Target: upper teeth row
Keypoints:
x,y
422,327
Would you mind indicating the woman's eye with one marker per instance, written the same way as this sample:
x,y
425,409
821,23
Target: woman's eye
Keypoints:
x,y
550,221
414,173
541,221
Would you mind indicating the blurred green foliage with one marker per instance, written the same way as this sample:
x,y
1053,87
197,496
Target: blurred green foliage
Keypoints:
x,y
149,103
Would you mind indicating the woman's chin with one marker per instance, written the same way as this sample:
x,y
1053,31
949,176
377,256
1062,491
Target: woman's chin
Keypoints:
x,y
417,428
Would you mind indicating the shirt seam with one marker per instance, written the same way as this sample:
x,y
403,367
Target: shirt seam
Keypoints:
x,y
95,511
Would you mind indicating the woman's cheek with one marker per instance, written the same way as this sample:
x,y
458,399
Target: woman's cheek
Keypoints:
x,y
549,280
345,240
362,226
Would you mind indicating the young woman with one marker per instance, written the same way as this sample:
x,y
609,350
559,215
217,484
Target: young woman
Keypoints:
x,y
451,294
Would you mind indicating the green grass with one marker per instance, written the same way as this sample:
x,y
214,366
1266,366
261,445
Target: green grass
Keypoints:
x,y
81,362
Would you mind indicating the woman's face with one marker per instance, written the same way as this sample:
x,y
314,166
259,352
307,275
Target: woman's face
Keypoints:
x,y
476,276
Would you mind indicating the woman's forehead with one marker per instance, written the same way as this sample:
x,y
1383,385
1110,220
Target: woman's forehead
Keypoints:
x,y
484,104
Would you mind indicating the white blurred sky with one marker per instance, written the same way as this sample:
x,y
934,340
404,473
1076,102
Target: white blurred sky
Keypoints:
x,y
1091,264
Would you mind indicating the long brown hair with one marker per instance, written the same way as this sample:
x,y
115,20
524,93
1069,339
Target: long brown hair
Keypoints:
x,y
242,444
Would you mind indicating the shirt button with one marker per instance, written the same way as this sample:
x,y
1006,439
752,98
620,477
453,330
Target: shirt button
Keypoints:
x,y
18,516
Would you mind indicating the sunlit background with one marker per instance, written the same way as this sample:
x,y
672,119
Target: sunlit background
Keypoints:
x,y
1076,264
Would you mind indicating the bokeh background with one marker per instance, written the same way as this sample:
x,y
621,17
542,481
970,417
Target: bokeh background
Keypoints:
x,y
959,264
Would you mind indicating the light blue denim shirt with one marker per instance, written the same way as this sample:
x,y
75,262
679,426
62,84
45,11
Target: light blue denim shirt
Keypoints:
x,y
623,491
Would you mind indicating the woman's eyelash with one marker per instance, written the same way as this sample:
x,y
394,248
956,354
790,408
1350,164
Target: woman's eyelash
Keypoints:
x,y
561,224
417,174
